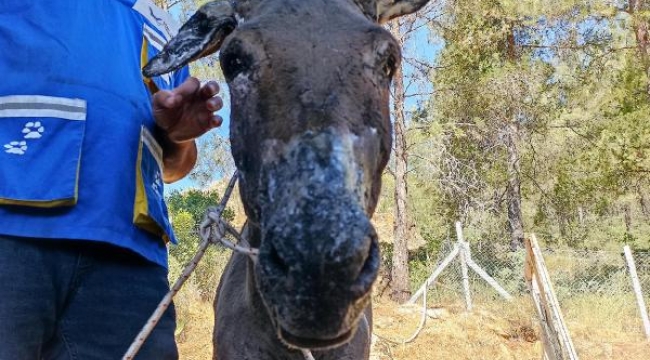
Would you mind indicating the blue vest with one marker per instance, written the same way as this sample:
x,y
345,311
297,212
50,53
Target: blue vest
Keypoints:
x,y
77,158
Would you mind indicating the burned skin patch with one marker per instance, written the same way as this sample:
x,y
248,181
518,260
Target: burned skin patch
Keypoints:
x,y
338,85
318,158
311,136
200,36
297,69
319,254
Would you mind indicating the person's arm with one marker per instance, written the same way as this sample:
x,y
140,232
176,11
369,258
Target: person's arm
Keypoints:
x,y
182,115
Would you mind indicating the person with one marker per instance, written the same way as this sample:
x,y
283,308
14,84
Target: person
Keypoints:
x,y
87,142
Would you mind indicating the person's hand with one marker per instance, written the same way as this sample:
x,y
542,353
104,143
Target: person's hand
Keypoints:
x,y
187,111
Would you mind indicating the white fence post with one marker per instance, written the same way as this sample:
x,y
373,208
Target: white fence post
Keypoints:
x,y
464,255
489,279
462,250
637,290
422,290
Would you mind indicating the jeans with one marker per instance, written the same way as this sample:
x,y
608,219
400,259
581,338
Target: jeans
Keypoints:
x,y
79,300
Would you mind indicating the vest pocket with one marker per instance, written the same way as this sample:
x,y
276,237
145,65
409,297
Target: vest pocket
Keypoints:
x,y
41,139
150,210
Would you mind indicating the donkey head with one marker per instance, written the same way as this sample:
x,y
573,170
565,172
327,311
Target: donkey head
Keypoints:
x,y
311,134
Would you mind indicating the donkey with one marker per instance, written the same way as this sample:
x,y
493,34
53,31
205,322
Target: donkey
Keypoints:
x,y
311,134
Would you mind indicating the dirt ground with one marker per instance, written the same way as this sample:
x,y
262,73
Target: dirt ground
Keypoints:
x,y
451,333
503,331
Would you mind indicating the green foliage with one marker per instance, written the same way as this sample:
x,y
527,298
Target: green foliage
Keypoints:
x,y
187,209
489,91
195,202
566,81
185,230
214,160
563,79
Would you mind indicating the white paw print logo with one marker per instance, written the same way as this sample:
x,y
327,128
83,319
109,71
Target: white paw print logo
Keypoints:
x,y
33,130
16,147
157,183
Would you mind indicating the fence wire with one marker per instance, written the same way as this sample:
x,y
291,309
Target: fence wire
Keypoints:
x,y
594,289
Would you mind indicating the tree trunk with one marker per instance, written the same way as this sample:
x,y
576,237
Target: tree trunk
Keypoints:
x,y
400,272
635,7
515,218
643,203
627,217
513,189
497,201
562,224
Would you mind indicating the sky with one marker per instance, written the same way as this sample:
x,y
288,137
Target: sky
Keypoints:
x,y
224,130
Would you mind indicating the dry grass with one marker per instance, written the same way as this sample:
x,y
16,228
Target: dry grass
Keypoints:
x,y
496,331
506,332
194,325
606,327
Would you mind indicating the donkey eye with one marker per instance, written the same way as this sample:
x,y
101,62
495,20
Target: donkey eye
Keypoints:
x,y
387,56
389,66
234,62
232,66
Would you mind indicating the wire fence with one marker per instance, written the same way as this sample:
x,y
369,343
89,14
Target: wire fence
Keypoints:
x,y
594,289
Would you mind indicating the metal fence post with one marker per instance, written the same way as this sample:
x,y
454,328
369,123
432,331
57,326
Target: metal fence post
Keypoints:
x,y
423,289
464,256
637,290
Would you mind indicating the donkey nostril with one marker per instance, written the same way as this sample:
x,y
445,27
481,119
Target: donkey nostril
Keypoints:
x,y
276,261
368,272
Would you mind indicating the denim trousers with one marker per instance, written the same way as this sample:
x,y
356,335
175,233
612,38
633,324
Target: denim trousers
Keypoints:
x,y
79,300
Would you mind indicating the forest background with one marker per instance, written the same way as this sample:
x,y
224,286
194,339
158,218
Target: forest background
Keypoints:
x,y
510,116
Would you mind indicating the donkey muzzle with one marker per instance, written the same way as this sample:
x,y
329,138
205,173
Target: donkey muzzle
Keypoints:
x,y
319,254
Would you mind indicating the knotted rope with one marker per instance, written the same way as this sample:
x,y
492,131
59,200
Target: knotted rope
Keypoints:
x,y
212,230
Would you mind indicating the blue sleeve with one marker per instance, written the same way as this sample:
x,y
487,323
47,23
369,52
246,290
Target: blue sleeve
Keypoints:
x,y
181,75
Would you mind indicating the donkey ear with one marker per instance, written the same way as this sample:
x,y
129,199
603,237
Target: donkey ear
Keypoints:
x,y
200,36
390,9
